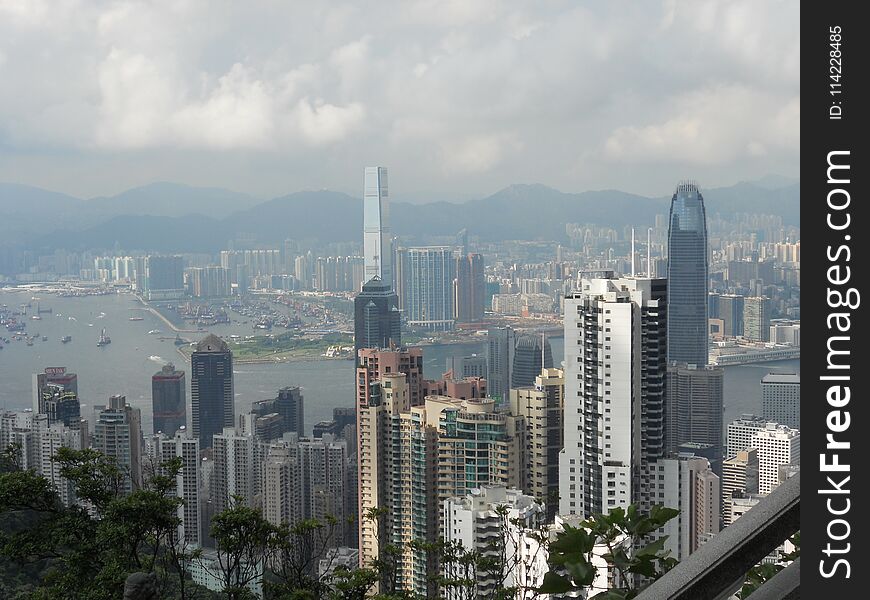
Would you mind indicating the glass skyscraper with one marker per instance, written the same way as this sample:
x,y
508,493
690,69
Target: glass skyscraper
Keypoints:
x,y
378,247
687,277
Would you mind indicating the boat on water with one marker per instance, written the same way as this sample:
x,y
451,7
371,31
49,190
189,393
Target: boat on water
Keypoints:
x,y
45,338
66,339
104,340
136,319
154,332
36,318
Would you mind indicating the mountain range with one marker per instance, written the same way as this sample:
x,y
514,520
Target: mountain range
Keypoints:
x,y
163,217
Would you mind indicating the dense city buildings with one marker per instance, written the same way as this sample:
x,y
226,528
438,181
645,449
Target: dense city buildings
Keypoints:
x,y
61,405
731,308
781,399
687,277
427,287
377,320
211,389
469,288
168,400
467,366
377,239
606,366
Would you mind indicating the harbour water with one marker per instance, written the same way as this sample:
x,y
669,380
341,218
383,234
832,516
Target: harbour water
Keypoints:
x,y
126,365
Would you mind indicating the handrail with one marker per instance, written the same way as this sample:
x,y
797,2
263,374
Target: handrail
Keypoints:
x,y
717,569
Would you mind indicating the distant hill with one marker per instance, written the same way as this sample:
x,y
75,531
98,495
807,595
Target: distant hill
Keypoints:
x,y
165,199
198,219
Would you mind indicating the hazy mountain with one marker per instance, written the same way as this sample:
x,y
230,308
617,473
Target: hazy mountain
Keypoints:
x,y
528,211
172,200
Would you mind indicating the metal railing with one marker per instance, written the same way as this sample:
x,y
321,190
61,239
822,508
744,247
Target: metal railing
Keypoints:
x,y
718,568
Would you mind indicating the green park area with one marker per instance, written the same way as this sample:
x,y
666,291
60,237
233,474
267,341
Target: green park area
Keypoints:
x,y
283,347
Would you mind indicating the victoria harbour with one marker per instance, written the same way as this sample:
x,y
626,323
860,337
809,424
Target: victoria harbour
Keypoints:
x,y
134,355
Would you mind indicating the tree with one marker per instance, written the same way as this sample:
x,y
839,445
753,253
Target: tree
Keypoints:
x,y
245,543
759,574
623,535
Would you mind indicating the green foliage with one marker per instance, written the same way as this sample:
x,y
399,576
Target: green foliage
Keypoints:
x,y
635,561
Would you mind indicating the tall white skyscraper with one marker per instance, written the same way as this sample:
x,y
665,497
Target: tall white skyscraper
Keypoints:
x,y
740,433
614,363
377,240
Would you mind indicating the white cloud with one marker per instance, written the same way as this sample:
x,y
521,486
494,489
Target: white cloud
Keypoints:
x,y
494,92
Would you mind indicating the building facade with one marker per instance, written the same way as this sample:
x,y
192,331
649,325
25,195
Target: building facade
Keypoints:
x,y
169,400
781,399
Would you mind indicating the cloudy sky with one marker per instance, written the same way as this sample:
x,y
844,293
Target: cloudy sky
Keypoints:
x,y
457,97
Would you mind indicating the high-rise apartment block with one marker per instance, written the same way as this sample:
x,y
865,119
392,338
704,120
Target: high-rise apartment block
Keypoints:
x,y
168,400
183,445
476,519
687,277
427,287
781,398
614,396
777,445
209,282
688,483
235,469
542,407
118,435
211,389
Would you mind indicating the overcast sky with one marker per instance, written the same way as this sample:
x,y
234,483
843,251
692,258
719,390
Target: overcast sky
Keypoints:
x,y
458,98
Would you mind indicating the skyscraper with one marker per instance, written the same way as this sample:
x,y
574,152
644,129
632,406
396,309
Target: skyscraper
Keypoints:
x,y
614,401
500,347
211,389
694,406
531,355
428,287
235,470
781,398
164,277
740,476
168,400
377,240
377,321
469,288
687,277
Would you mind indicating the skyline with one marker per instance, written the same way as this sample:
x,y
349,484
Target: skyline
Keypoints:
x,y
457,98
